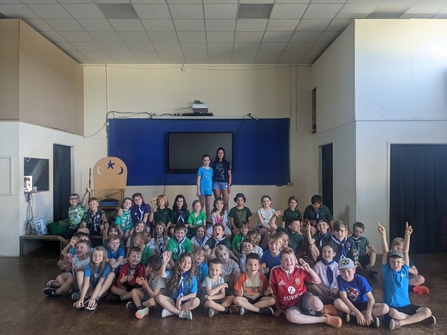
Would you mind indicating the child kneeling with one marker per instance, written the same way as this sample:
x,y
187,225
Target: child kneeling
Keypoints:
x,y
182,284
251,289
356,298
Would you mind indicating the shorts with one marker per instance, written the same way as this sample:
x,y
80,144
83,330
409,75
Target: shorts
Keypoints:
x,y
409,309
253,301
361,306
68,233
129,287
303,306
92,231
220,185
364,260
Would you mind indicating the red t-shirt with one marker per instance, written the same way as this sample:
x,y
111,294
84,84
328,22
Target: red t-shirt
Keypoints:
x,y
288,287
139,271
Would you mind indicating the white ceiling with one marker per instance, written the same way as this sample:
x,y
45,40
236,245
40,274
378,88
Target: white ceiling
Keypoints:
x,y
205,31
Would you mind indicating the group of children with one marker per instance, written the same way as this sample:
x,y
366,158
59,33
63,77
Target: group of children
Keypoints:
x,y
228,267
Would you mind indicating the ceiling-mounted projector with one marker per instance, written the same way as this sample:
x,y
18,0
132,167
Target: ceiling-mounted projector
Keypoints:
x,y
198,107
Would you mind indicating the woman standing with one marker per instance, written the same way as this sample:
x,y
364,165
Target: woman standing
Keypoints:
x,y
221,177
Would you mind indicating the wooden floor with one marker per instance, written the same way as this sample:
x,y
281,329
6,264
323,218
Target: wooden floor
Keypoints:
x,y
24,309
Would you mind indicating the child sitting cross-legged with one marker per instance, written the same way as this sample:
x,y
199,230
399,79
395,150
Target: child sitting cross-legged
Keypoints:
x,y
231,270
144,298
182,285
363,252
214,286
252,289
328,271
115,254
356,298
127,278
178,244
395,272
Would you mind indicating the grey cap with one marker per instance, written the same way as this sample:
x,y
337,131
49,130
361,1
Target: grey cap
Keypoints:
x,y
395,253
345,263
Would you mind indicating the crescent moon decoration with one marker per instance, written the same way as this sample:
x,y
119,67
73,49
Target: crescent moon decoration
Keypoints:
x,y
97,170
122,170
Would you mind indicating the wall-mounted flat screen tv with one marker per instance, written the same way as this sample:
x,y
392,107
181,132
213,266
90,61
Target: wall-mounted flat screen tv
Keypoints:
x,y
185,150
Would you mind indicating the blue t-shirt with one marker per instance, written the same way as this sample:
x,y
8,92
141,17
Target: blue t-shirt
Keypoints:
x,y
395,286
202,271
116,254
189,286
206,181
96,276
356,290
271,261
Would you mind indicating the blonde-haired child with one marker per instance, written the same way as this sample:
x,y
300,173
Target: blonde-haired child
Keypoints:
x,y
161,211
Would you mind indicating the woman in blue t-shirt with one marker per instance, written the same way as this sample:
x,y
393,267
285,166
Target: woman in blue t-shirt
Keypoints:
x,y
222,177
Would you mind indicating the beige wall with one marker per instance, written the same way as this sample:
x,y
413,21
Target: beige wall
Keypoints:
x,y
264,91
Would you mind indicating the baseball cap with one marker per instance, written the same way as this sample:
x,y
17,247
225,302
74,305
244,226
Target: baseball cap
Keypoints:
x,y
395,253
345,263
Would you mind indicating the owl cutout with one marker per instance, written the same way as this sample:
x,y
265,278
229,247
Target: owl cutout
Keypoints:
x,y
110,178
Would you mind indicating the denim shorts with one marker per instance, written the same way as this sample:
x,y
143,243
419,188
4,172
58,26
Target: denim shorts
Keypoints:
x,y
220,185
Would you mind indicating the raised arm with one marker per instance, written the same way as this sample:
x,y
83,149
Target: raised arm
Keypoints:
x,y
272,222
406,250
385,249
85,197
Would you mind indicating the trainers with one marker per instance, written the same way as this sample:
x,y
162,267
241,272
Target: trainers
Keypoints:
x,y
333,321
233,309
266,311
348,317
142,312
93,307
51,292
372,271
185,315
112,297
420,289
330,310
394,324
53,284
375,323
431,320
75,296
211,312
165,313
130,306
242,311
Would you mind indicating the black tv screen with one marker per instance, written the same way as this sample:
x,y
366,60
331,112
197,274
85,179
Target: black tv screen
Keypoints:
x,y
38,168
185,150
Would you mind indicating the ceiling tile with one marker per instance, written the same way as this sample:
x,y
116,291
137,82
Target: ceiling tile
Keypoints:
x,y
64,24
147,57
254,11
321,45
140,47
77,36
293,54
220,46
184,1
220,37
309,61
322,11
220,25
220,55
167,37
292,11
148,1
356,11
112,1
86,46
426,7
269,55
305,36
95,24
77,54
220,1
170,55
329,1
293,1
186,11
173,61
158,25
70,1
84,11
39,25
106,37
152,11
282,24
244,54
220,11
313,24
127,25
191,36
392,9
251,24
299,46
167,47
328,36
54,36
65,46
31,1
195,55
114,46
339,24
193,46
189,25
257,1
134,37
50,11
314,54
246,46
248,36
17,11
273,46
96,54
277,37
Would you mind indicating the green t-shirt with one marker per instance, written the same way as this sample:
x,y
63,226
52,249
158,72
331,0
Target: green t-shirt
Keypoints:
x,y
162,215
294,238
124,221
147,252
289,214
177,249
196,221
212,243
75,216
323,213
359,246
237,242
239,215
322,240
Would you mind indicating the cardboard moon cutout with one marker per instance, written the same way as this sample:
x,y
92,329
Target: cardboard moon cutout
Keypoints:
x,y
109,177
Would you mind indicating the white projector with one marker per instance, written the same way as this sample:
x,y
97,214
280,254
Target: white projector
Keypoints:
x,y
199,107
